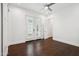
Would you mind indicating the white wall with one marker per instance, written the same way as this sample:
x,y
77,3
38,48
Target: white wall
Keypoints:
x,y
66,25
16,25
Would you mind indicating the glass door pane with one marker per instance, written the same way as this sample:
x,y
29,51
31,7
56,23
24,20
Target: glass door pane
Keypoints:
x,y
30,32
34,28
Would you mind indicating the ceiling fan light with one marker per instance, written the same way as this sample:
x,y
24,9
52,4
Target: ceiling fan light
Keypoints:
x,y
46,8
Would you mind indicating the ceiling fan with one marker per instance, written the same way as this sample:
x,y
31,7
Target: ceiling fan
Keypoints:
x,y
47,6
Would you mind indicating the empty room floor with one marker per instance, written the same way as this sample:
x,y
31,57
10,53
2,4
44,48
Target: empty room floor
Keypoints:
x,y
40,47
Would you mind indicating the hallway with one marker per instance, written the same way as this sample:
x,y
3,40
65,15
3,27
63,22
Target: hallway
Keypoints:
x,y
40,47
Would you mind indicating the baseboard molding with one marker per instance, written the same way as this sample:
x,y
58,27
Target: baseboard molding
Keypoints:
x,y
49,38
18,42
67,42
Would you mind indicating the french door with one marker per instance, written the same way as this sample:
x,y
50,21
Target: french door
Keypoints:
x,y
34,28
30,30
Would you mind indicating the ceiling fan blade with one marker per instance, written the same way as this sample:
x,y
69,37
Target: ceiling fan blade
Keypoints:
x,y
50,9
50,4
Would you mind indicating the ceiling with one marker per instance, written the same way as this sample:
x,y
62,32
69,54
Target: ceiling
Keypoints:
x,y
39,7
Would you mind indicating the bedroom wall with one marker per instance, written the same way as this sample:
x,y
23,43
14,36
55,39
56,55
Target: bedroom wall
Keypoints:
x,y
16,25
66,25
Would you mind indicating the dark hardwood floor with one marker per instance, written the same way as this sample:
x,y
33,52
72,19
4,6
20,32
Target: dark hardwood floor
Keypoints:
x,y
46,47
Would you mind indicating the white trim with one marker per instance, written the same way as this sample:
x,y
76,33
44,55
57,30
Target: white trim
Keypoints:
x,y
67,42
18,42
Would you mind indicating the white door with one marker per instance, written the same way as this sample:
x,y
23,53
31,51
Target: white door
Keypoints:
x,y
31,28
34,28
39,27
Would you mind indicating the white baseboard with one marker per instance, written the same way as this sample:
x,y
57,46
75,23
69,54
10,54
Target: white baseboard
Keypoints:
x,y
67,42
17,42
